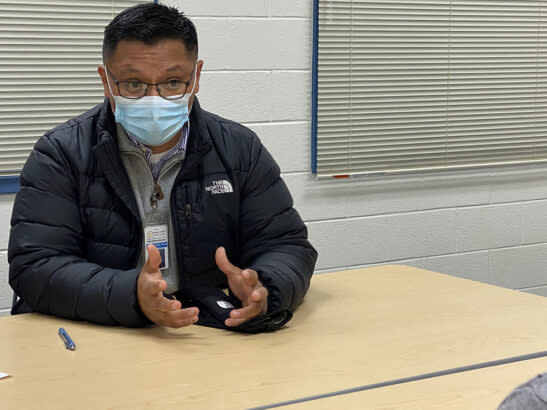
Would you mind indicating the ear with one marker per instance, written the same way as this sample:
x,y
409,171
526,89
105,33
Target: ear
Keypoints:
x,y
102,72
198,75
101,69
199,66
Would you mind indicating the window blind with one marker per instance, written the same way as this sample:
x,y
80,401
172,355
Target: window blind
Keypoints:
x,y
49,52
414,85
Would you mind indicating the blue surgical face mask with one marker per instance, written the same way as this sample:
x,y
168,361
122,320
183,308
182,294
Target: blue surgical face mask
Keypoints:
x,y
152,120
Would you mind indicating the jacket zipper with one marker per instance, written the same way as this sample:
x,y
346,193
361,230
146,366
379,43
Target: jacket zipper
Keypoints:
x,y
188,206
157,194
188,214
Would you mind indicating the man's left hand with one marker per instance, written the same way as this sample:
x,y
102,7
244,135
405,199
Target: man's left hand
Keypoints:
x,y
245,285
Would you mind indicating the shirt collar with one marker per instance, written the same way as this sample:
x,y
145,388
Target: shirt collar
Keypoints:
x,y
179,147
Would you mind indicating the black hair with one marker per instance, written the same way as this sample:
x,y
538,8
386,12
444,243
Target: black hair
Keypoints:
x,y
150,23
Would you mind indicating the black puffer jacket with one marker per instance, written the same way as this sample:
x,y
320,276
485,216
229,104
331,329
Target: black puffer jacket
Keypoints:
x,y
76,233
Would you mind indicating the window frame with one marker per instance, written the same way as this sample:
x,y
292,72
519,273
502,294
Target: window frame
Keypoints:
x,y
315,120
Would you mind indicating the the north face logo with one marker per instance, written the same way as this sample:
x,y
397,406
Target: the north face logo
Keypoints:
x,y
220,187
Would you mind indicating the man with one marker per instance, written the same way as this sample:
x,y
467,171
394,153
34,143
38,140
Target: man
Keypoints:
x,y
531,395
150,172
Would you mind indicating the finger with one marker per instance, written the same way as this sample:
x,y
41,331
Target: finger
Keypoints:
x,y
153,262
250,277
259,294
182,317
235,322
258,300
224,264
154,287
239,316
163,304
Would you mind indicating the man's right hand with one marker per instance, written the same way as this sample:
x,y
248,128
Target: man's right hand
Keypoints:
x,y
154,305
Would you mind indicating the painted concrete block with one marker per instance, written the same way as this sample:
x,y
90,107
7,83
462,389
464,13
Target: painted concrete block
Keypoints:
x,y
518,267
254,44
289,144
296,8
369,240
256,96
6,205
238,8
6,293
471,265
535,222
488,227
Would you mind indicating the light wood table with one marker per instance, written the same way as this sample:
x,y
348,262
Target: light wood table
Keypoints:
x,y
354,328
478,389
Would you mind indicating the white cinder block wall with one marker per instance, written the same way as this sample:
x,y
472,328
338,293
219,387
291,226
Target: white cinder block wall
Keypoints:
x,y
6,203
488,225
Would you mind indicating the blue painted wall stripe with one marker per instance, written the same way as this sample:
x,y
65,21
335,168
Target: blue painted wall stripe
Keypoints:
x,y
9,185
315,55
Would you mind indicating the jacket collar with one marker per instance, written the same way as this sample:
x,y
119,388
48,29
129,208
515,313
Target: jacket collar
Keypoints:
x,y
108,158
199,140
106,122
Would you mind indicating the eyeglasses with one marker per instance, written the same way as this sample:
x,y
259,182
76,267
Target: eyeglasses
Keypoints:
x,y
170,90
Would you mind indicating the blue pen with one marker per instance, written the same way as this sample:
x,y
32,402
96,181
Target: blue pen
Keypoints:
x,y
69,344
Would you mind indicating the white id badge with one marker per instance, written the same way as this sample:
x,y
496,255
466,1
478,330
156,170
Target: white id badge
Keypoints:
x,y
158,236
